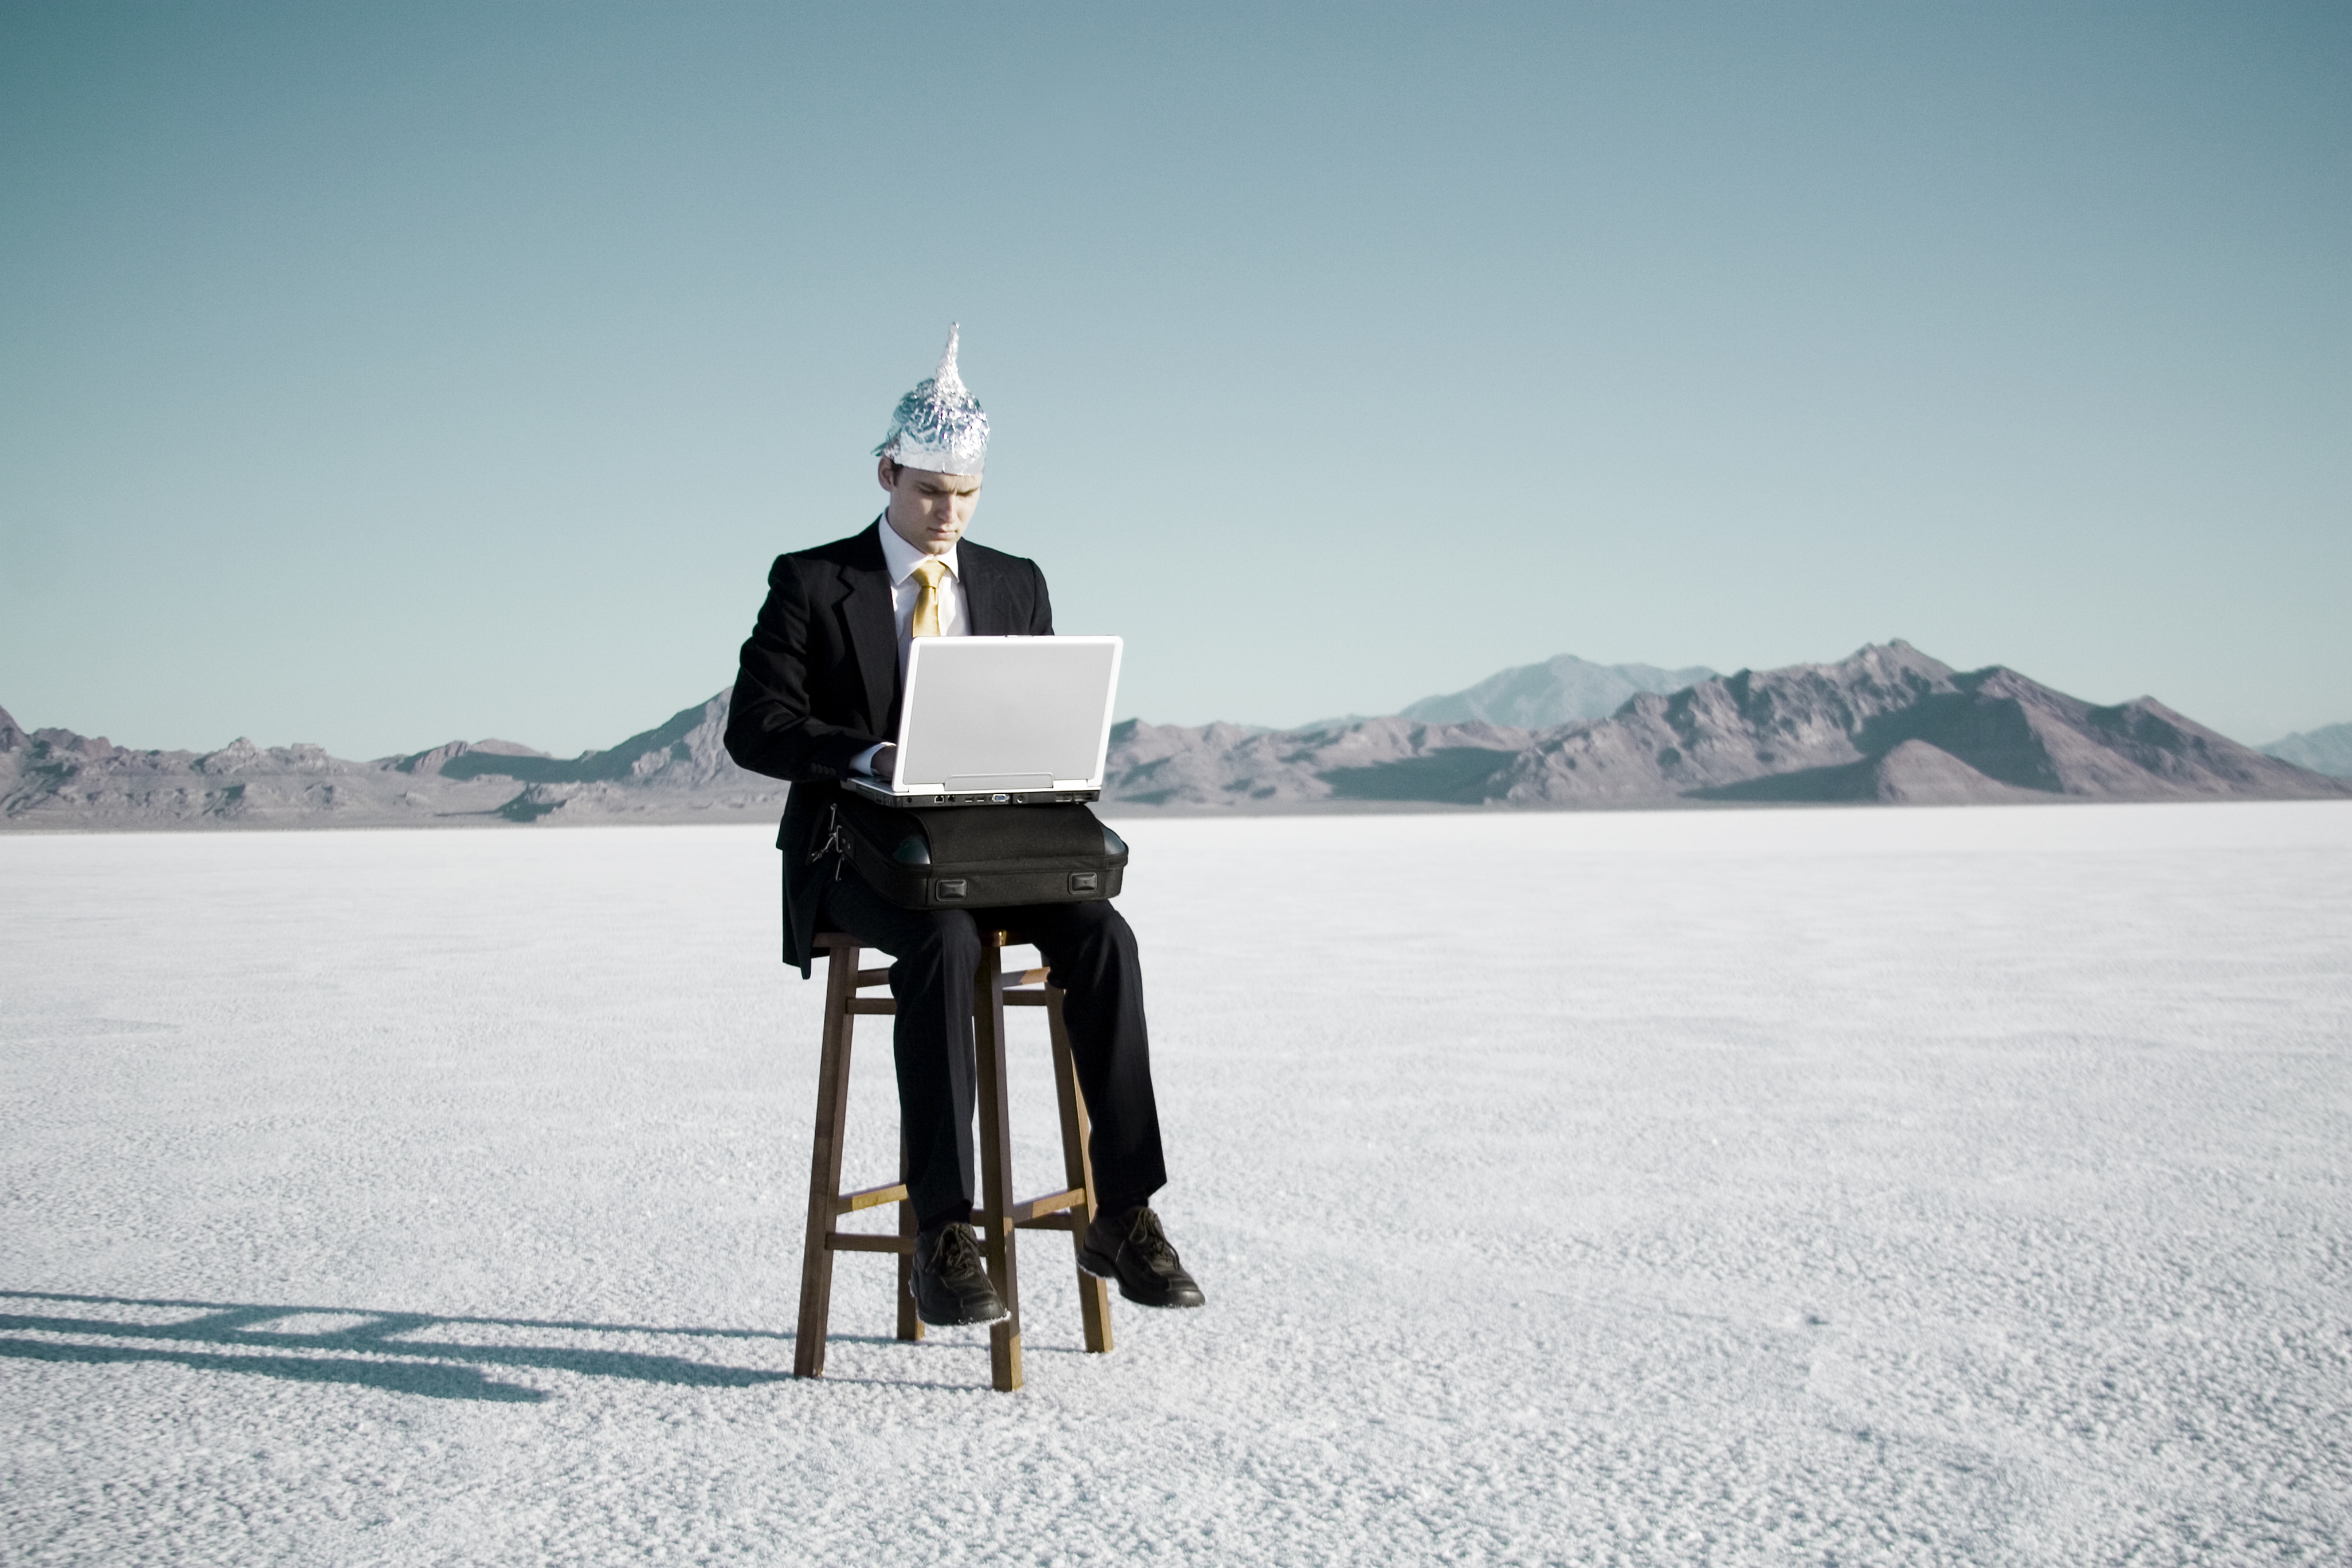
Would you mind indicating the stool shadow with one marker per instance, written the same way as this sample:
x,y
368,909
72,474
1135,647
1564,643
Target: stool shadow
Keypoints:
x,y
428,1354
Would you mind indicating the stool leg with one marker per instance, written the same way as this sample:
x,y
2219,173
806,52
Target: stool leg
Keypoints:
x,y
996,1165
824,1164
910,1327
1079,1171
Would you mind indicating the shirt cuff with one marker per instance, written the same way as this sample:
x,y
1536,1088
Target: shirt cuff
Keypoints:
x,y
864,761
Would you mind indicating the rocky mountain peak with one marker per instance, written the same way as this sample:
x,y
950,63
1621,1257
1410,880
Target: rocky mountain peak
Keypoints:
x,y
238,754
2327,750
1560,690
427,763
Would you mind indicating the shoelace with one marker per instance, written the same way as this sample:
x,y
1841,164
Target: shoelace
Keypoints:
x,y
958,1252
1151,1243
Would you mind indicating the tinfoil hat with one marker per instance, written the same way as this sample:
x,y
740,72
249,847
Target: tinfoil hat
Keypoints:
x,y
938,426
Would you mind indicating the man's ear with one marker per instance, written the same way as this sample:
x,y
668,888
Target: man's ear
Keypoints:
x,y
886,473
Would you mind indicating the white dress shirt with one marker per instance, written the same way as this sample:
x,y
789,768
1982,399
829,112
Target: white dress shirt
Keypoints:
x,y
955,616
902,558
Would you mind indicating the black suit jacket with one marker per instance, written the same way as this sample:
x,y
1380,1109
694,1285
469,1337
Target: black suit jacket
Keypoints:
x,y
819,682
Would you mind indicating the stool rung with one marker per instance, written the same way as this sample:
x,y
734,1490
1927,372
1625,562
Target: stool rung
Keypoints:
x,y
858,1241
873,977
872,1004
1023,977
1032,1211
1028,999
870,1198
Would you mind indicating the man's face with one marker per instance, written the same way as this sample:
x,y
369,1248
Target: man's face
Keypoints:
x,y
928,510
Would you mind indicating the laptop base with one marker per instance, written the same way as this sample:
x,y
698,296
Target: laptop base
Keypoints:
x,y
880,795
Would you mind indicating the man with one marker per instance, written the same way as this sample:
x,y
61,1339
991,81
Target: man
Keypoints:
x,y
819,688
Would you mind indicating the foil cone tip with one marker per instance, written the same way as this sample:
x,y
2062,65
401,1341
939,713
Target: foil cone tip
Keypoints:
x,y
945,378
939,426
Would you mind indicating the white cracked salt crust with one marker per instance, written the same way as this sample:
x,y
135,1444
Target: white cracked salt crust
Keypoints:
x,y
1825,1186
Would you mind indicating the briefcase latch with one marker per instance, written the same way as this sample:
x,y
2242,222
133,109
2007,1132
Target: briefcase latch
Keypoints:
x,y
1086,882
949,889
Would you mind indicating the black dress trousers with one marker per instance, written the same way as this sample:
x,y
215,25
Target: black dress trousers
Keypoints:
x,y
1090,954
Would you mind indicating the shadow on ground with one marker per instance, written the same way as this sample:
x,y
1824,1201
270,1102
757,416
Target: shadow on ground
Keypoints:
x,y
405,1352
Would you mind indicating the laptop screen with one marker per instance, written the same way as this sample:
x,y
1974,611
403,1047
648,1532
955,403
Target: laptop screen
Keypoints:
x,y
1006,713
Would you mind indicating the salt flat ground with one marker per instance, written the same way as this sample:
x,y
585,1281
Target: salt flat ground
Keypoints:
x,y
1828,1186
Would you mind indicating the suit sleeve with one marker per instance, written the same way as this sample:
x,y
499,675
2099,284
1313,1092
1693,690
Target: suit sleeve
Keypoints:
x,y
1041,618
771,729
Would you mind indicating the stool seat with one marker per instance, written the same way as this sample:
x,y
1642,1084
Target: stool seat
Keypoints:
x,y
999,1216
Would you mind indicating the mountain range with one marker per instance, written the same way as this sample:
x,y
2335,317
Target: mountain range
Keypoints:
x,y
1887,724
2327,750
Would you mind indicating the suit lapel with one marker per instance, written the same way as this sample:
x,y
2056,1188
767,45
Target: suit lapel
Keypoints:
x,y
873,629
983,596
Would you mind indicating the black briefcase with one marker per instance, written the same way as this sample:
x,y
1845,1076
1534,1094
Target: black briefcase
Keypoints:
x,y
984,856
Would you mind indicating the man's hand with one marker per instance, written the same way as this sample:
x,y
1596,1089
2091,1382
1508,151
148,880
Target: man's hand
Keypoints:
x,y
886,764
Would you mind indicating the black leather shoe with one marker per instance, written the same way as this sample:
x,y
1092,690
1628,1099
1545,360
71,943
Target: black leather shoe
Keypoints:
x,y
1132,1250
951,1284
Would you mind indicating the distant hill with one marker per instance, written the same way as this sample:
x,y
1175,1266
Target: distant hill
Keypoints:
x,y
1891,723
2325,751
1557,692
1888,724
677,771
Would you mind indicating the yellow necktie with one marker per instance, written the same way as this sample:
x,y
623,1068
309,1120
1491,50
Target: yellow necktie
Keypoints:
x,y
930,604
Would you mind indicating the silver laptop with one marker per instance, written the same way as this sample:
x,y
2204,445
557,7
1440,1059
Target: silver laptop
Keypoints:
x,y
1002,721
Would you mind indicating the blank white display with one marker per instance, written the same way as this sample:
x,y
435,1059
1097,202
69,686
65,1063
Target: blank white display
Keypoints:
x,y
1032,710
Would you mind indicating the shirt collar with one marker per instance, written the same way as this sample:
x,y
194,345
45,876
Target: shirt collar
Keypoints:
x,y
902,558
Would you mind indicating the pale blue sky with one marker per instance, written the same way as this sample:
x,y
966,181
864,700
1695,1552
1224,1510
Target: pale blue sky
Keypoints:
x,y
379,375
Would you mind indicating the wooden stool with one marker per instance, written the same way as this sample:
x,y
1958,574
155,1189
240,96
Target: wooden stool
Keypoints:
x,y
1072,1210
